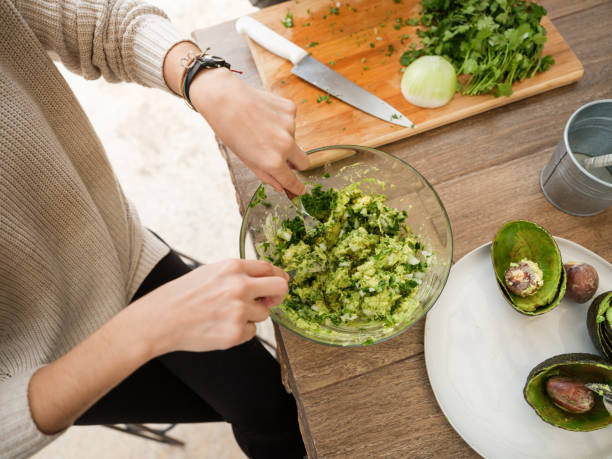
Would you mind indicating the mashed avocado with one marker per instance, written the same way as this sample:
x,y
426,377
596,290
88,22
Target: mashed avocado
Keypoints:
x,y
361,263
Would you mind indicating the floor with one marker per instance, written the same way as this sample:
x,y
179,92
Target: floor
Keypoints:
x,y
167,160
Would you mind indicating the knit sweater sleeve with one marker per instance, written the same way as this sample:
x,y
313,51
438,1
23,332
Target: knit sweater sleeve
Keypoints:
x,y
121,40
20,436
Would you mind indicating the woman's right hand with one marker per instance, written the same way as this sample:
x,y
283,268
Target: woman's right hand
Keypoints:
x,y
213,307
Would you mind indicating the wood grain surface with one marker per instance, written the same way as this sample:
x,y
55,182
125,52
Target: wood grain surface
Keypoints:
x,y
345,40
376,401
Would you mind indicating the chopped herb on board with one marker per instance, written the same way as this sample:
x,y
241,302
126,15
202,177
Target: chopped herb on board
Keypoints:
x,y
495,42
324,98
288,21
312,44
333,10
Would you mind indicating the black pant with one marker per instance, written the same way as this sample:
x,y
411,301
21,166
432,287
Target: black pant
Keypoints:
x,y
240,385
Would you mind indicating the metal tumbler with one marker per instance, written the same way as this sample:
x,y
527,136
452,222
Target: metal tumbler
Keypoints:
x,y
564,181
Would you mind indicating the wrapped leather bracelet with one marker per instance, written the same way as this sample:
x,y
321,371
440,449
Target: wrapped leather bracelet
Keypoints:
x,y
193,64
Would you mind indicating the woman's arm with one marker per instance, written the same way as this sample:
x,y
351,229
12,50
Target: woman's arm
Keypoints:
x,y
129,40
213,307
121,40
258,126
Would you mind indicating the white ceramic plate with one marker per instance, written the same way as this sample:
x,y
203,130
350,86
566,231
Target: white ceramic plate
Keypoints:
x,y
479,351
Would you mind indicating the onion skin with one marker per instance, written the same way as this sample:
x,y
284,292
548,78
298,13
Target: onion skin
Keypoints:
x,y
429,82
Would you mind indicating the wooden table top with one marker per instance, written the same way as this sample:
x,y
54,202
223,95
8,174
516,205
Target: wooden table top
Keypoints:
x,y
377,401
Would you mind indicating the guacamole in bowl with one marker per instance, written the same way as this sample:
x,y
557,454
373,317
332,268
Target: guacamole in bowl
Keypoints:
x,y
375,259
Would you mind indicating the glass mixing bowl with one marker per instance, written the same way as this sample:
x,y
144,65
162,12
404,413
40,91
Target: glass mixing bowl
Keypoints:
x,y
405,189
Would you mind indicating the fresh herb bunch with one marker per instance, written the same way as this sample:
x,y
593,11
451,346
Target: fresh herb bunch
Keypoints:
x,y
496,42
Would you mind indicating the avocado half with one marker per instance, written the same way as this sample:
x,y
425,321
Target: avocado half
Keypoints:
x,y
520,239
588,368
599,323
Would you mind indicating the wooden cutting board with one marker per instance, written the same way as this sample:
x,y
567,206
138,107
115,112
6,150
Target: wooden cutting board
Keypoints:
x,y
345,40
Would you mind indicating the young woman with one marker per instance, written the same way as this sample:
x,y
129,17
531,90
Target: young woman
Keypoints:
x,y
99,321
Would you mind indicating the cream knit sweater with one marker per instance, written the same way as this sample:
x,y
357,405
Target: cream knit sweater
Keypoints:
x,y
72,250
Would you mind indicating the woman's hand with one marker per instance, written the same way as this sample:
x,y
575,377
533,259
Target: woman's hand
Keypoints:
x,y
213,307
258,126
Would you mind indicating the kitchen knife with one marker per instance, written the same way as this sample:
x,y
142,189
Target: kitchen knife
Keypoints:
x,y
605,390
318,74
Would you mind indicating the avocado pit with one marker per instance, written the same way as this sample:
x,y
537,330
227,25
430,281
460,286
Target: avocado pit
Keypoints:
x,y
524,278
570,394
582,281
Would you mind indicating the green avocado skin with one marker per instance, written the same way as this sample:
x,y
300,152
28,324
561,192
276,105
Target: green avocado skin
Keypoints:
x,y
582,366
524,239
600,332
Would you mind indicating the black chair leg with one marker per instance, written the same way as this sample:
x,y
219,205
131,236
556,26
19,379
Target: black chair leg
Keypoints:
x,y
189,261
141,430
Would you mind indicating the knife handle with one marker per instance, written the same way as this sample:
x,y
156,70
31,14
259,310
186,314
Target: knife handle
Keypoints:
x,y
270,40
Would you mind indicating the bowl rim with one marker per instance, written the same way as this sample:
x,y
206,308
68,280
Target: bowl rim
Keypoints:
x,y
243,230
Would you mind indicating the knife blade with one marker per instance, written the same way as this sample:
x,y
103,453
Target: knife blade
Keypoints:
x,y
605,390
314,72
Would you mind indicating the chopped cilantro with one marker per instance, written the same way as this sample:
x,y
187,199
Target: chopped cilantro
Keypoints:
x,y
333,10
495,42
259,197
319,203
324,98
288,21
312,44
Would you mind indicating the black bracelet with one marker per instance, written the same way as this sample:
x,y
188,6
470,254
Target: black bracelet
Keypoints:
x,y
200,62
